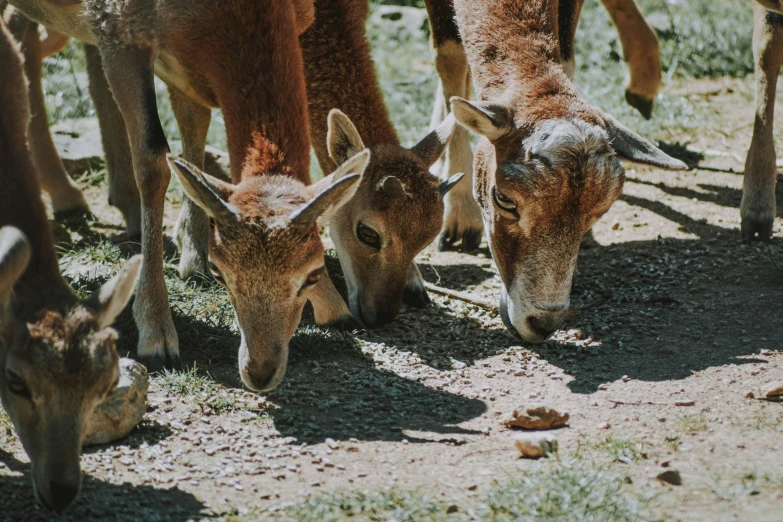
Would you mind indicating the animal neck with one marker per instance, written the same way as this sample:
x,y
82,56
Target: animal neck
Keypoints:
x,y
21,207
340,74
513,51
260,87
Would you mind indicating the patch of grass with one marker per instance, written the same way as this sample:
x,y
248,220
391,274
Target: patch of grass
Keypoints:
x,y
201,388
693,423
621,450
560,492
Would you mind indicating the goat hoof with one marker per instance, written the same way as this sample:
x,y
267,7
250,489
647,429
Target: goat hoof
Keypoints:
x,y
471,239
640,103
445,241
74,217
154,363
756,230
161,363
347,324
415,296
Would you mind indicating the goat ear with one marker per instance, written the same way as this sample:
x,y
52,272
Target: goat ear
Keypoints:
x,y
489,119
392,187
342,139
332,192
432,145
14,257
209,193
112,297
633,147
450,183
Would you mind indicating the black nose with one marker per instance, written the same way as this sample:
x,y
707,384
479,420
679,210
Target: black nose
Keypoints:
x,y
543,327
62,495
415,296
261,378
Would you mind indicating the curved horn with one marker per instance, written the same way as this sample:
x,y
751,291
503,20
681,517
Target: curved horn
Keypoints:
x,y
432,145
450,183
633,147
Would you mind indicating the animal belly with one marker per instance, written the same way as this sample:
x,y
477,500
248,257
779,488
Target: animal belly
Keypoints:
x,y
190,83
65,16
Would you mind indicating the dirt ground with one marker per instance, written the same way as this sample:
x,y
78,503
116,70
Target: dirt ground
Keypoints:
x,y
678,309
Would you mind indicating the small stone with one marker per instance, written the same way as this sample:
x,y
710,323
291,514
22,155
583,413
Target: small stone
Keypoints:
x,y
536,417
671,476
750,395
625,378
123,409
535,445
604,426
332,444
452,509
773,390
603,387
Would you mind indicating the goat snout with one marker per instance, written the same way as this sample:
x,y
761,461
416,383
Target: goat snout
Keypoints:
x,y
262,377
61,494
544,324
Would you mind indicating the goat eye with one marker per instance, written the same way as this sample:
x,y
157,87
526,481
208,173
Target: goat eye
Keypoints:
x,y
503,202
216,274
313,278
17,386
368,236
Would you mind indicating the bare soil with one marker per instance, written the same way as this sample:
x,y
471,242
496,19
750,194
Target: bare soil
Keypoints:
x,y
678,309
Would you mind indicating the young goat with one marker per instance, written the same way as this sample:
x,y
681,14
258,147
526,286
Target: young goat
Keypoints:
x,y
546,167
58,358
398,208
243,57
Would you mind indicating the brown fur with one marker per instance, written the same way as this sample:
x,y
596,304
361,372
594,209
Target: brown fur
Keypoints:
x,y
242,56
58,357
340,75
546,168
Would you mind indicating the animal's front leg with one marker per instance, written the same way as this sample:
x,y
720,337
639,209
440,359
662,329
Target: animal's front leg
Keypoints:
x,y
129,71
462,216
758,208
67,199
192,232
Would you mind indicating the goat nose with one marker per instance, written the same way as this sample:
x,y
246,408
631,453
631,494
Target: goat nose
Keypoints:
x,y
544,325
260,379
62,495
415,296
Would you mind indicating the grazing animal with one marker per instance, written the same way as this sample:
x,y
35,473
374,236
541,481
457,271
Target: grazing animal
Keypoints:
x,y
462,220
242,56
398,207
547,166
58,356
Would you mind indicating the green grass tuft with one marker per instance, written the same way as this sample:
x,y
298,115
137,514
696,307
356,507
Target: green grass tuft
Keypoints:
x,y
562,492
201,389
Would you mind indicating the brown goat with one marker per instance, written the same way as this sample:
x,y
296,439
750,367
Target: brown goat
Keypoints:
x,y
547,165
58,356
398,207
243,57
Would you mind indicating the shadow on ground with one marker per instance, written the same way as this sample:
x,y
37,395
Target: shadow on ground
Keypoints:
x,y
98,499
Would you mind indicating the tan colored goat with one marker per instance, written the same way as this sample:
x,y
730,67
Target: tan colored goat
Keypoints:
x,y
243,57
547,165
58,357
462,221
